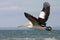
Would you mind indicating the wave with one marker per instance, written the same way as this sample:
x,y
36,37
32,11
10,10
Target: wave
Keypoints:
x,y
53,38
50,38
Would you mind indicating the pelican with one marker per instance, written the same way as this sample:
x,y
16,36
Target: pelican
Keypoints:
x,y
40,22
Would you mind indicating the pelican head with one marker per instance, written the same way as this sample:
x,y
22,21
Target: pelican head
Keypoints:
x,y
48,28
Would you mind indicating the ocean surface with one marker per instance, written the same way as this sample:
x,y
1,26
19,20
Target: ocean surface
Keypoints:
x,y
29,35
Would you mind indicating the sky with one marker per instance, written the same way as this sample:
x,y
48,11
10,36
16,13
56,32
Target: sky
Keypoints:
x,y
12,12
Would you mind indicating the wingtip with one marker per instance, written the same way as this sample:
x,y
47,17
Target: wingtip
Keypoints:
x,y
46,4
25,13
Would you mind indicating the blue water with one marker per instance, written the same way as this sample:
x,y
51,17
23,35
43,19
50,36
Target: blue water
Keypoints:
x,y
29,35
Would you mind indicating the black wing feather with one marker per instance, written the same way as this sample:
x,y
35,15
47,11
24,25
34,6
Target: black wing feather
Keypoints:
x,y
31,18
46,9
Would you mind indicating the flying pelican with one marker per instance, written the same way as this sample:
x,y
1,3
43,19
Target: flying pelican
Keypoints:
x,y
40,22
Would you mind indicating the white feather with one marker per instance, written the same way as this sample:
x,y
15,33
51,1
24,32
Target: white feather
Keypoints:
x,y
30,25
42,15
27,24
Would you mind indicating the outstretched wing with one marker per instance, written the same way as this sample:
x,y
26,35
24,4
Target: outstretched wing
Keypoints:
x,y
44,15
31,18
